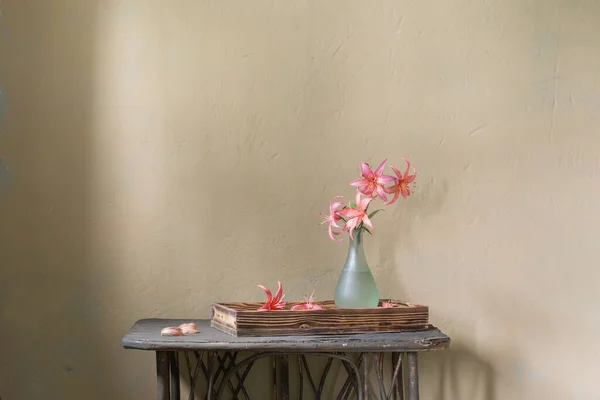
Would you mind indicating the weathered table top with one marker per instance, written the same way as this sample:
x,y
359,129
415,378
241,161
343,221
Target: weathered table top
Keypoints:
x,y
145,335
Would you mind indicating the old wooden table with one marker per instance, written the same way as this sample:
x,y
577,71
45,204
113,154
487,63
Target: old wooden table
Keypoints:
x,y
215,354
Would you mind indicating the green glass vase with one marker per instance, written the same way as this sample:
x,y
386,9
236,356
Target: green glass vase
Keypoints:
x,y
356,286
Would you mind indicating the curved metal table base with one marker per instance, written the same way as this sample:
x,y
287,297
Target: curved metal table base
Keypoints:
x,y
221,369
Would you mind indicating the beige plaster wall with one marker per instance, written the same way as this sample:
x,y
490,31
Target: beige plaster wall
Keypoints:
x,y
166,154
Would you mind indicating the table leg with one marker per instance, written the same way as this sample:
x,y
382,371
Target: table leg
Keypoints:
x,y
378,364
162,375
174,361
413,376
366,375
282,377
211,377
397,376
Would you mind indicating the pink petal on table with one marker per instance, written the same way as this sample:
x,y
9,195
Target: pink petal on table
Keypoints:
x,y
171,331
188,328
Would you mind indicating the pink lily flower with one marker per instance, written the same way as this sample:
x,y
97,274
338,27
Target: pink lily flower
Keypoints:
x,y
273,303
373,181
333,217
402,184
355,216
308,305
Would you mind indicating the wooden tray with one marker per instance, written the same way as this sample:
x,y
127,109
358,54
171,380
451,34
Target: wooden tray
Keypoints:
x,y
243,319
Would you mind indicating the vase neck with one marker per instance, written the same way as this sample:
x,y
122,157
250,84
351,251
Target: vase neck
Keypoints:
x,y
356,254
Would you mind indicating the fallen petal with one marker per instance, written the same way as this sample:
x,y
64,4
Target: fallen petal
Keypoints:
x,y
189,328
171,331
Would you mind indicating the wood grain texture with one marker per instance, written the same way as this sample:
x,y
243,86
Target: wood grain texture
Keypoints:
x,y
145,335
243,319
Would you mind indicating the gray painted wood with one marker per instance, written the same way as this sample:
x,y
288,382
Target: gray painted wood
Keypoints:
x,y
145,335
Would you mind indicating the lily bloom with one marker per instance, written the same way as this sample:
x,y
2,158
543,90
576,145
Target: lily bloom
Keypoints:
x,y
373,181
355,216
333,217
308,305
273,303
402,184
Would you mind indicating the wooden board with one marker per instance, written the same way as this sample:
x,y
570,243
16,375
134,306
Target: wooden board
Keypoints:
x,y
243,319
145,335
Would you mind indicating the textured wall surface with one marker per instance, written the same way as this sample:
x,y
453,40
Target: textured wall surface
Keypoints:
x,y
167,154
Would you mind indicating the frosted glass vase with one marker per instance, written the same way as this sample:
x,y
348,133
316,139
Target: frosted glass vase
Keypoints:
x,y
356,286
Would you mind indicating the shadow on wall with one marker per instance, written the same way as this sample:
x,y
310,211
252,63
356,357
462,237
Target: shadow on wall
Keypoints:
x,y
48,316
456,374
